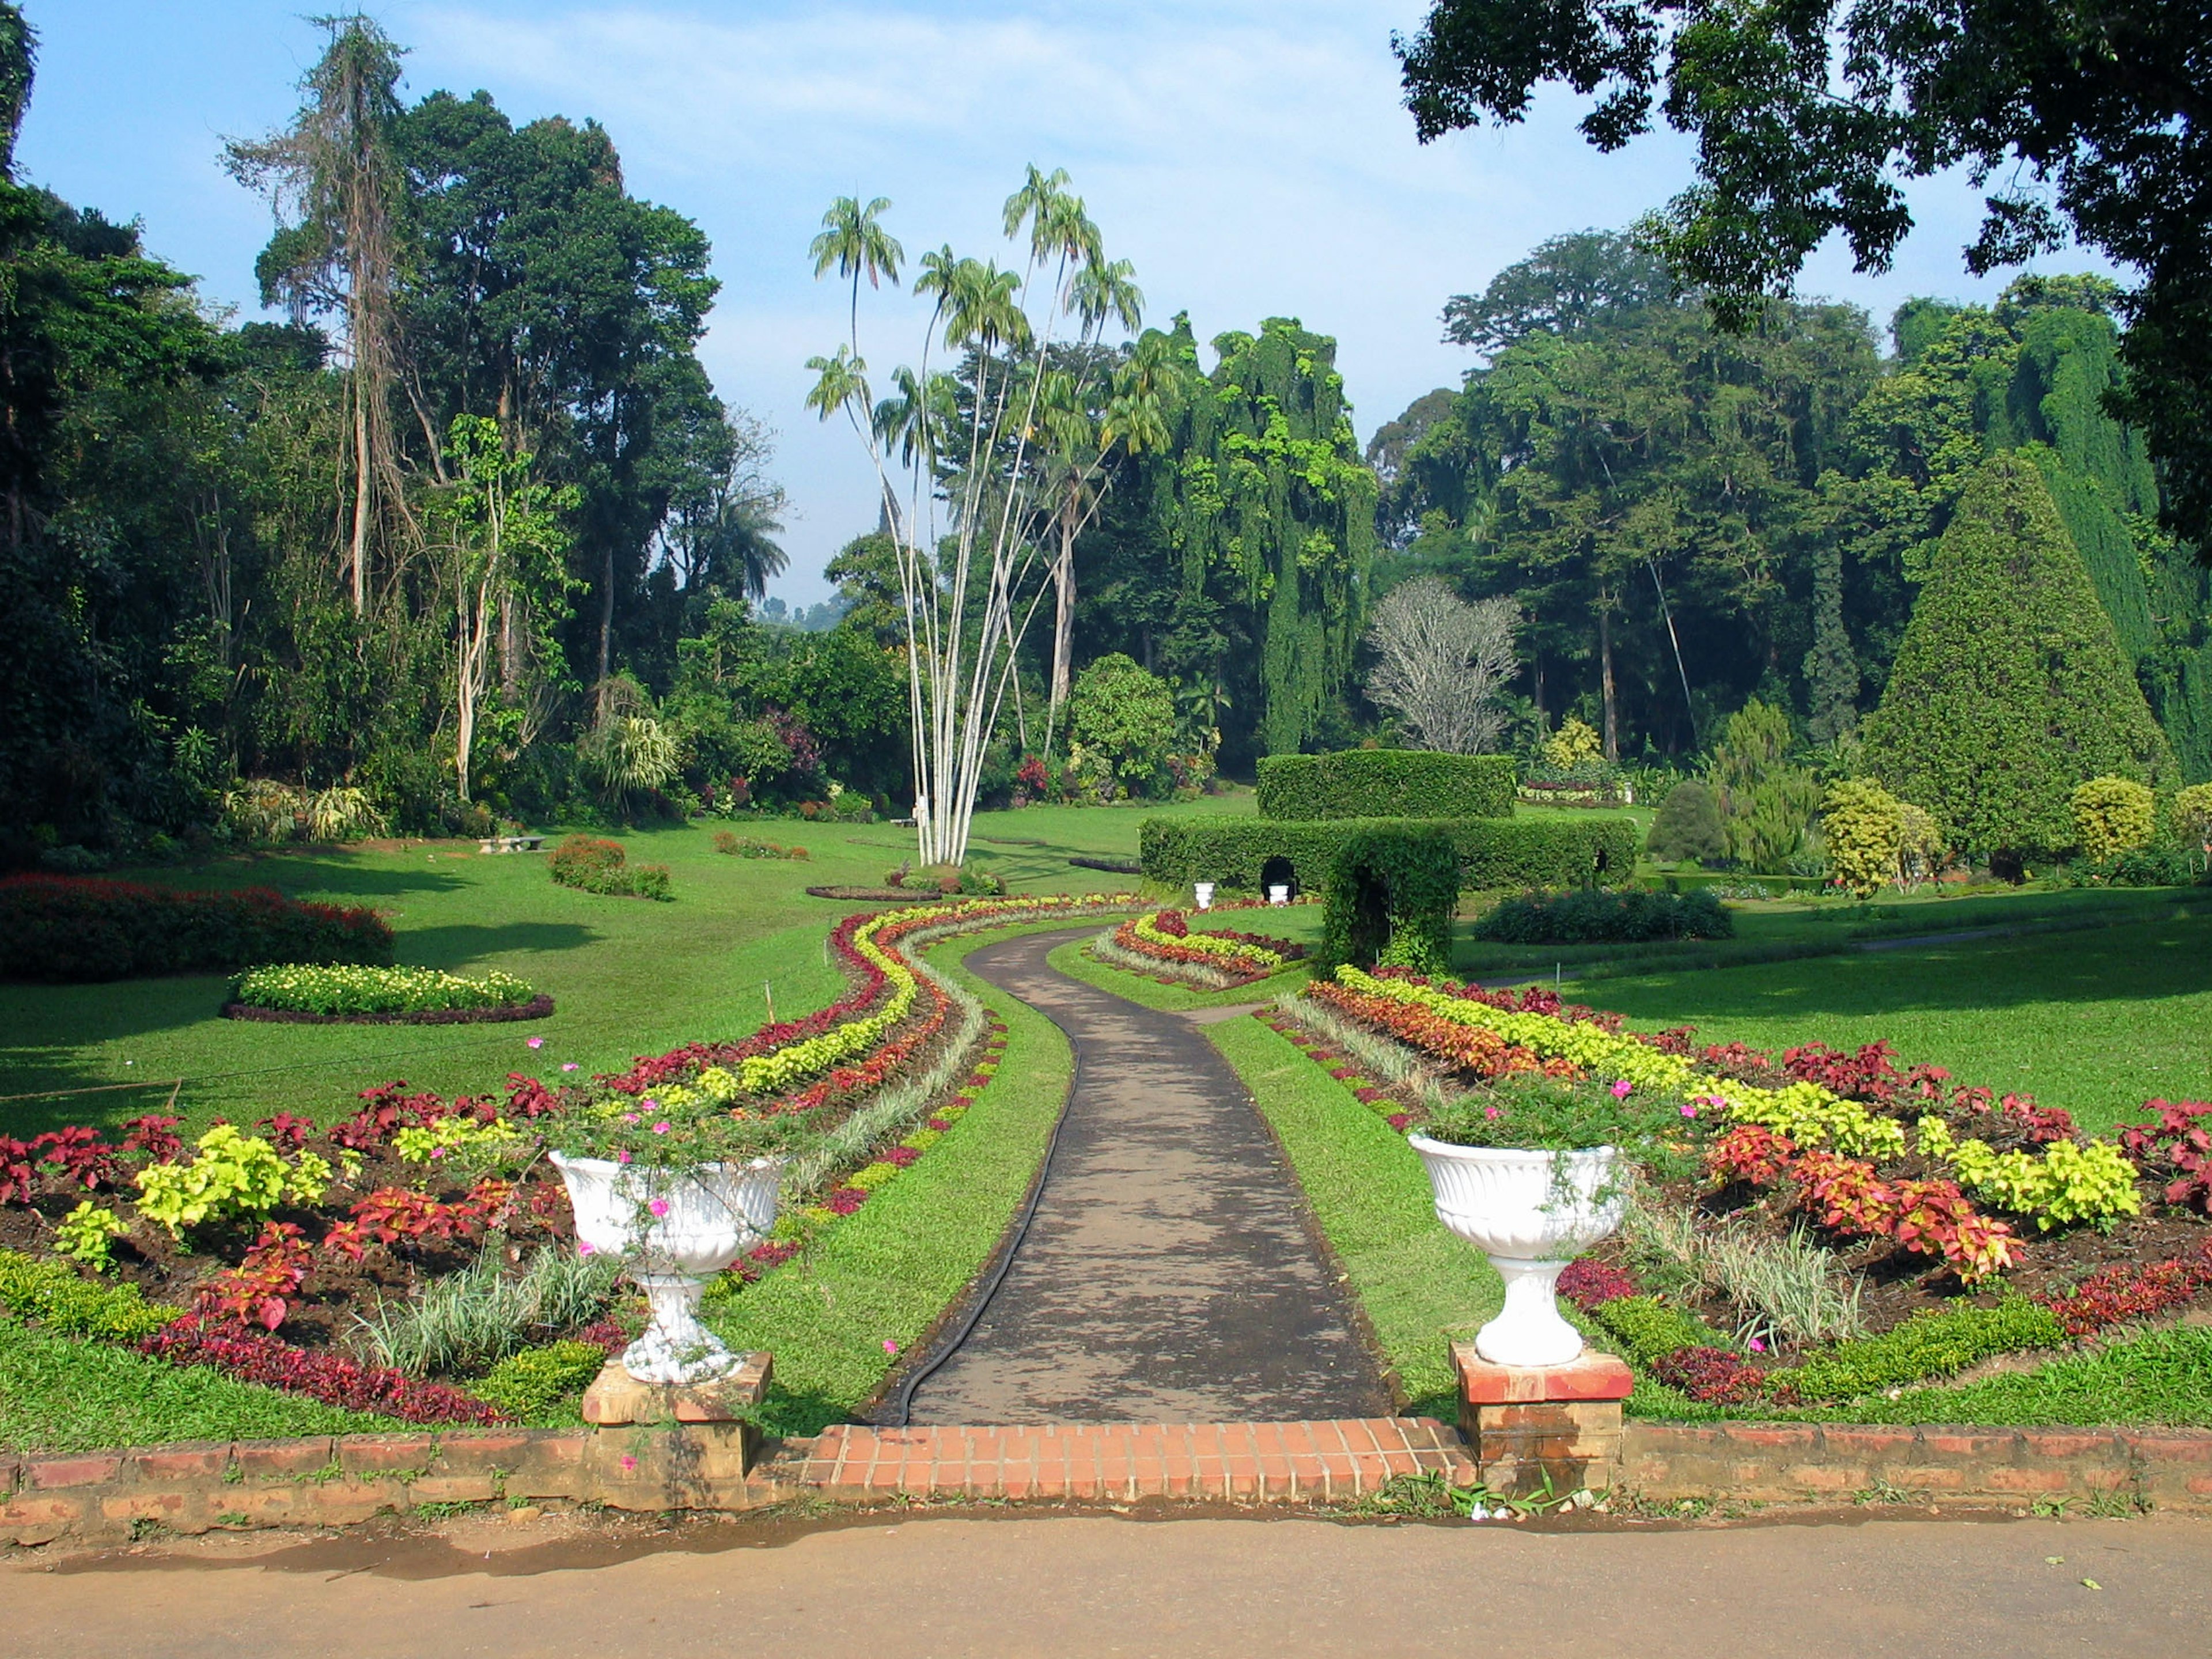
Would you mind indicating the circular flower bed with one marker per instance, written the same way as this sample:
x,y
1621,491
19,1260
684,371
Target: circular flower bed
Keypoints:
x,y
306,994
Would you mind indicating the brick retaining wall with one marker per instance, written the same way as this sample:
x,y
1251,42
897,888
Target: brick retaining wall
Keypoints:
x,y
334,1481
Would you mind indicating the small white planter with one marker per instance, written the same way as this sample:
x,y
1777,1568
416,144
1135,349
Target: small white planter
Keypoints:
x,y
1531,1213
1278,894
713,1213
1204,890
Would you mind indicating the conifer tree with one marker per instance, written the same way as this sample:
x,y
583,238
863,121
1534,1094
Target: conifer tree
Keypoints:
x,y
2010,687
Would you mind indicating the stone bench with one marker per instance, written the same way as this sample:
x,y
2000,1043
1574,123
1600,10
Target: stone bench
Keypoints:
x,y
511,844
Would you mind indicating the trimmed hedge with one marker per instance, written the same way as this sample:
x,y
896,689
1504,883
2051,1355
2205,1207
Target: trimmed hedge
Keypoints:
x,y
64,928
1493,853
1386,783
1391,893
1587,918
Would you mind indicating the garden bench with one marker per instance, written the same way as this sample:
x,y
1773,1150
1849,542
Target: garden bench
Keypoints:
x,y
511,843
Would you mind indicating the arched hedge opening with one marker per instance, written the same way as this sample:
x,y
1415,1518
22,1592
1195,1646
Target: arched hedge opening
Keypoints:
x,y
1391,895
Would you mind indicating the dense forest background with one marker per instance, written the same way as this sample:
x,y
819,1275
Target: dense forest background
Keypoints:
x,y
470,536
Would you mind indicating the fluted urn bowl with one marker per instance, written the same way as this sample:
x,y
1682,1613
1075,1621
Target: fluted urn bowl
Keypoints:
x,y
673,1229
1531,1213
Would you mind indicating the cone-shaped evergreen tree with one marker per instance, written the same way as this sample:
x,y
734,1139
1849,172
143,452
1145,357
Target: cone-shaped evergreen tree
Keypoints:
x,y
2009,688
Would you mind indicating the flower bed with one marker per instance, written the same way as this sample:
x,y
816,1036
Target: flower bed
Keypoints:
x,y
66,928
263,1252
1164,945
317,994
1944,1210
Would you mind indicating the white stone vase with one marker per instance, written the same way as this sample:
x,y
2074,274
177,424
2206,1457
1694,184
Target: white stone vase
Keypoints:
x,y
1205,891
673,1229
1531,1213
1278,894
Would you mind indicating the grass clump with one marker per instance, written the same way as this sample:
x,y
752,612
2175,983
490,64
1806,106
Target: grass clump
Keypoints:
x,y
1786,1288
470,1320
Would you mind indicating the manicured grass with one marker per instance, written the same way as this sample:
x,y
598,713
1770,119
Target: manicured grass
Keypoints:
x,y
888,1271
2162,1377
61,1395
2094,1022
627,978
1418,1285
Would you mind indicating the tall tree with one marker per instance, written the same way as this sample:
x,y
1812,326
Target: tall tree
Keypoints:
x,y
336,183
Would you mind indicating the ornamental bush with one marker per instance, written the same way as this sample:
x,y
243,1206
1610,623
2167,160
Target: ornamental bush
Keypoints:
x,y
1634,917
1863,825
1494,855
65,1305
64,928
529,1384
594,864
2113,815
1391,894
1687,826
2010,687
1376,783
1936,1344
300,988
1124,713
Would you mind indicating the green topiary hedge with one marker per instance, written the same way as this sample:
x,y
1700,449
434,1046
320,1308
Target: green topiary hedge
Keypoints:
x,y
1391,894
1493,853
1386,783
1634,917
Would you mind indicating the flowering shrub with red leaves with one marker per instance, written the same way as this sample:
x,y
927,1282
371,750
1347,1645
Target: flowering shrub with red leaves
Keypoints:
x,y
155,1135
1588,1284
258,1290
61,928
390,1108
1928,1217
1472,1049
398,1215
1750,1151
2177,1145
1870,1075
19,1170
288,1133
1712,1375
2126,1291
82,1156
252,1356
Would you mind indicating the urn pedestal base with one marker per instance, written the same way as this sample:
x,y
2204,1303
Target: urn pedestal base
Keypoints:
x,y
1526,1422
616,1397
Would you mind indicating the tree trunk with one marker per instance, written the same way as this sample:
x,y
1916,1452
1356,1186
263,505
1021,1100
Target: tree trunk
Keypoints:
x,y
607,617
1605,673
1537,665
362,466
1063,627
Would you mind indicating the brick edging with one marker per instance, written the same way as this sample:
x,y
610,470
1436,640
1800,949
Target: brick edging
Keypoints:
x,y
1818,1463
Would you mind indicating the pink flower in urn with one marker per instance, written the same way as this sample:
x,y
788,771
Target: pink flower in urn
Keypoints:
x,y
1623,1089
538,1042
583,1246
658,1207
623,1157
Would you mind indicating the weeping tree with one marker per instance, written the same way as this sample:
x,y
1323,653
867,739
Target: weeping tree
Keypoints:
x,y
336,182
965,459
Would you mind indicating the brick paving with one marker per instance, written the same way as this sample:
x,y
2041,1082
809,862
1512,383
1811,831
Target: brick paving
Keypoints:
x,y
1339,1458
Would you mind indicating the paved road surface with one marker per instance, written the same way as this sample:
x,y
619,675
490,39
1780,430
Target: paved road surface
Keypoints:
x,y
1169,1276
1069,1586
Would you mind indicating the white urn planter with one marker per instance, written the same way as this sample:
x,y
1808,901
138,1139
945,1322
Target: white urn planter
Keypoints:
x,y
1278,894
1531,1213
1204,890
673,1229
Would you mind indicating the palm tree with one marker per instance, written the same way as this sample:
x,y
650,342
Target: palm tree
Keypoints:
x,y
853,239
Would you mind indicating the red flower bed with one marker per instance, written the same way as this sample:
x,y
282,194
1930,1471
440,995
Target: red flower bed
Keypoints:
x,y
252,1356
74,928
2126,1291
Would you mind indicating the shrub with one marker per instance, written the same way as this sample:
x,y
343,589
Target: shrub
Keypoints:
x,y
1574,745
1687,825
594,864
529,1384
66,1306
1391,894
1591,917
1122,713
1493,853
1650,1330
1766,804
69,928
331,1378
1363,783
301,988
2192,815
2009,686
1863,825
232,1176
2113,815
1940,1343
752,847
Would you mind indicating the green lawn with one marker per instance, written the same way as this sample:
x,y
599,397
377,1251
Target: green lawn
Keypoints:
x,y
2096,1021
627,978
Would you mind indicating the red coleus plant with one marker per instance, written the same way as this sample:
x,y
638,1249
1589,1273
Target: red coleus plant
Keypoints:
x,y
1471,1048
1930,1217
2177,1145
19,1170
155,1135
1750,1151
258,1290
1712,1375
252,1356
287,1132
1588,1284
86,1158
2127,1291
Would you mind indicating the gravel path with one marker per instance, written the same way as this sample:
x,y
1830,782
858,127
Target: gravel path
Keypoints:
x,y
1169,1274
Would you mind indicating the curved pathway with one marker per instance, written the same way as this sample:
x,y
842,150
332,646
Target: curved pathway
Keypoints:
x,y
1168,1275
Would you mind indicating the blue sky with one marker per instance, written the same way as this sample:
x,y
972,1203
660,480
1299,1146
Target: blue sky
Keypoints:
x,y
1250,156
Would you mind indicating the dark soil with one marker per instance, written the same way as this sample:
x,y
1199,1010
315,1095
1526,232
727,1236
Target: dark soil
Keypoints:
x,y
537,1008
